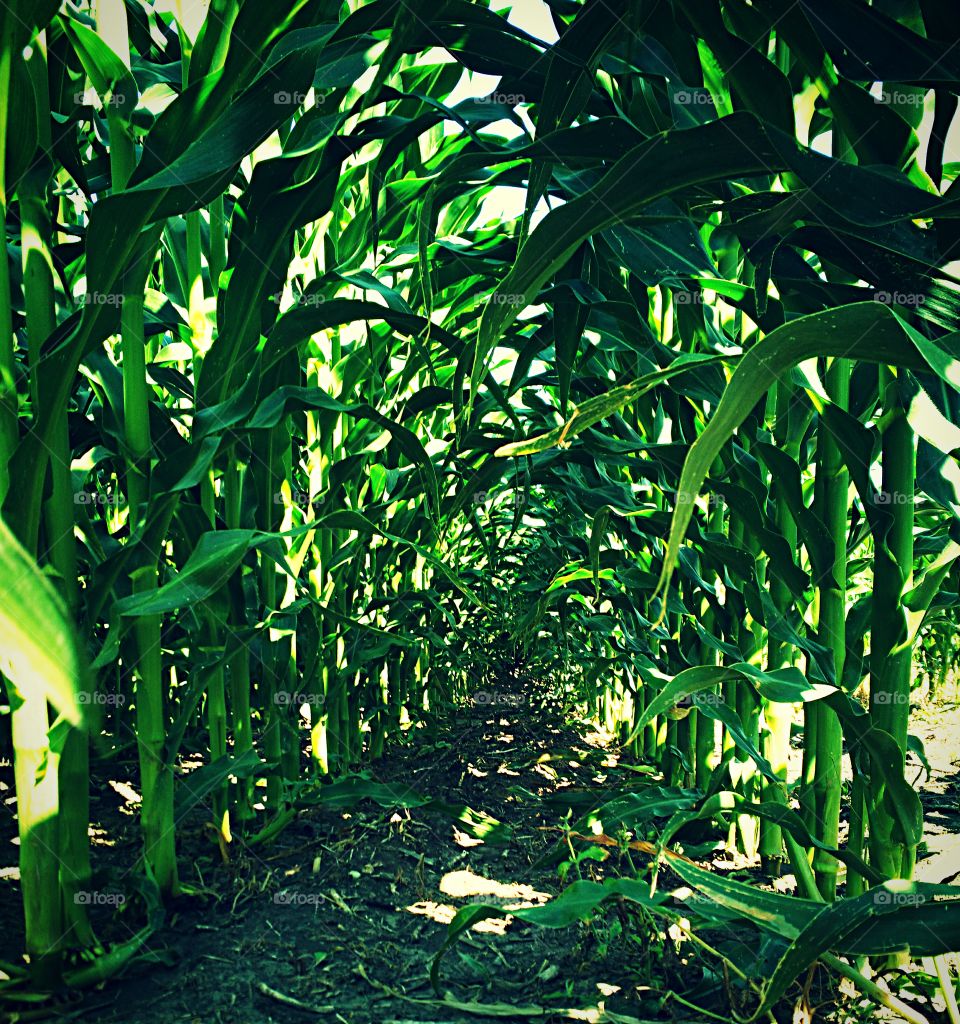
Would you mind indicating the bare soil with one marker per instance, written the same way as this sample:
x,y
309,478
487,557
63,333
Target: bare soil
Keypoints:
x,y
337,919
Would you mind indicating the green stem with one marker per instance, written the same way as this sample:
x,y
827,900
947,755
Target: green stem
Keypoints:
x,y
8,387
238,660
217,255
35,776
874,991
856,883
156,777
890,660
36,244
831,633
778,717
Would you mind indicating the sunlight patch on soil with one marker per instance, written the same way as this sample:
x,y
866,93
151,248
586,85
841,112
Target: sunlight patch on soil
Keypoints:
x,y
465,883
444,913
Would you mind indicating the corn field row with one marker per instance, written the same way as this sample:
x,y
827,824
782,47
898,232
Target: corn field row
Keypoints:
x,y
353,353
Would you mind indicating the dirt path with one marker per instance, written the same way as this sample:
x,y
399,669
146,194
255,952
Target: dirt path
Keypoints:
x,y
344,911
937,726
337,919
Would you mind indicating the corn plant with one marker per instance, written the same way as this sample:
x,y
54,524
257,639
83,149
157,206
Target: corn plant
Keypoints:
x,y
334,387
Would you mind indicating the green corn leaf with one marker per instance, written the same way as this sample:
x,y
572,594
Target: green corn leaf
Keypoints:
x,y
212,563
727,801
785,686
601,407
578,902
37,642
868,331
